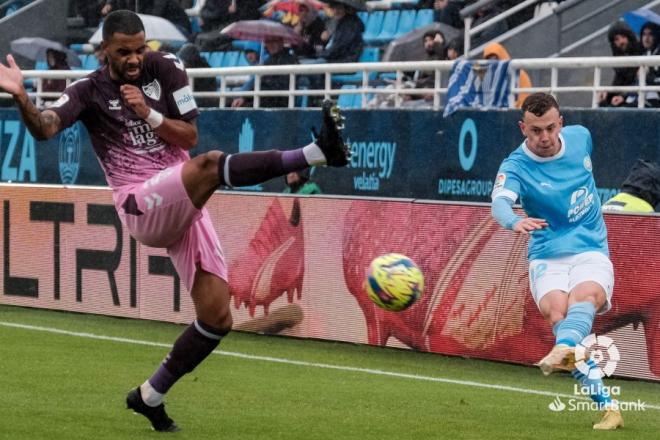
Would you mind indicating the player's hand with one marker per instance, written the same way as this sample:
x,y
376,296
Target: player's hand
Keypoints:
x,y
11,78
529,224
134,99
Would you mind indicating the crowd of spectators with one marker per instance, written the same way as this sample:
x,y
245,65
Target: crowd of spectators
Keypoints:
x,y
624,42
335,35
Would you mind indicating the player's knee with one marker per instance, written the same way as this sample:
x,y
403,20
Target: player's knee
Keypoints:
x,y
554,316
207,164
223,321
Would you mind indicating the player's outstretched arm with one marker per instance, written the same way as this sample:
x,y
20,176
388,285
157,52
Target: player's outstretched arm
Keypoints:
x,y
174,131
502,211
42,125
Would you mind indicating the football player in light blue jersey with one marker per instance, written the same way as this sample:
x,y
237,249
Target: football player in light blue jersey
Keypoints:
x,y
571,276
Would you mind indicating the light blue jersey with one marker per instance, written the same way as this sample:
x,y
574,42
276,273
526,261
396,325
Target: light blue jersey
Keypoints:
x,y
559,189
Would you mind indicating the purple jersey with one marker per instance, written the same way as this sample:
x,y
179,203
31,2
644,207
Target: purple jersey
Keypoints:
x,y
128,149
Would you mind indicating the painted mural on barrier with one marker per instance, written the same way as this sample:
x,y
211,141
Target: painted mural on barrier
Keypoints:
x,y
402,154
297,267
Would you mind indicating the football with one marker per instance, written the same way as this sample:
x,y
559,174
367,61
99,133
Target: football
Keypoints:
x,y
394,282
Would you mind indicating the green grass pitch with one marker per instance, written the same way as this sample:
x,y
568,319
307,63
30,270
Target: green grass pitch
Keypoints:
x,y
62,386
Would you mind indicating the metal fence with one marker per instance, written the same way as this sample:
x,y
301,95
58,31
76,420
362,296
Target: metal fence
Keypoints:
x,y
370,80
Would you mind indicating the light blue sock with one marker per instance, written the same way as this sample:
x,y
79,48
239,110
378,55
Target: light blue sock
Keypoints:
x,y
596,387
577,324
555,328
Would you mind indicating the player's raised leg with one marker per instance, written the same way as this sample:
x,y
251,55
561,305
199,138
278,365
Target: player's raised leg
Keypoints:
x,y
206,172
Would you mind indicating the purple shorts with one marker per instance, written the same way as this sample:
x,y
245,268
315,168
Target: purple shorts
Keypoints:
x,y
159,213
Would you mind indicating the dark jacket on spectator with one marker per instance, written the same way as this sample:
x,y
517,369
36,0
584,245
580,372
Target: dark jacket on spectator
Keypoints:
x,y
277,82
192,59
311,35
654,72
450,14
59,62
167,9
215,13
623,76
345,45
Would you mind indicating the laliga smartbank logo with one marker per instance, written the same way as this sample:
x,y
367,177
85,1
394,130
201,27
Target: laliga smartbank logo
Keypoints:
x,y
604,353
595,357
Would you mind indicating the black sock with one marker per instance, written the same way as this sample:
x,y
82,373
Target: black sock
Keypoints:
x,y
193,346
246,169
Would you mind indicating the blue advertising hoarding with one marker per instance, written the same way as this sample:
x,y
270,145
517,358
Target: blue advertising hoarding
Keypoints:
x,y
396,153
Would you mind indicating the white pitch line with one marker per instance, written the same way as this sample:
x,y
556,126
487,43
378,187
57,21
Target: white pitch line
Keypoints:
x,y
468,383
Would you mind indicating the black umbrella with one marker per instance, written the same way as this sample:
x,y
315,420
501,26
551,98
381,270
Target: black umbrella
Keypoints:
x,y
409,47
360,5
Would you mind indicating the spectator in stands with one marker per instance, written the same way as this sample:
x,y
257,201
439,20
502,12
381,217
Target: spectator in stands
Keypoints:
x,y
192,59
312,30
623,42
345,44
649,36
483,15
252,56
298,182
434,46
454,49
445,11
640,192
88,10
277,55
217,14
56,61
170,10
495,51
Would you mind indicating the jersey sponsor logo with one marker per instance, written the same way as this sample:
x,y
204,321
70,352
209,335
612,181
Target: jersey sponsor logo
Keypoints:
x,y
113,104
60,101
587,163
184,100
152,90
140,134
581,202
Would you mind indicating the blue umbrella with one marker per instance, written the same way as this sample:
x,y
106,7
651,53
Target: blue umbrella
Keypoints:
x,y
637,18
35,48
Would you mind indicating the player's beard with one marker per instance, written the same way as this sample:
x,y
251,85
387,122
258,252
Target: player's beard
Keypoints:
x,y
122,69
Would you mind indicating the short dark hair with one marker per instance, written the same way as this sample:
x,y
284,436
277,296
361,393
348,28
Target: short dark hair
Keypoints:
x,y
122,21
539,103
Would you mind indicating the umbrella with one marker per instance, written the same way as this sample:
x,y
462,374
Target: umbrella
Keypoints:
x,y
289,6
155,28
409,47
34,48
360,5
260,30
636,19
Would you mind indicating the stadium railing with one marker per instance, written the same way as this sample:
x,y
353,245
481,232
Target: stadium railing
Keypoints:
x,y
369,87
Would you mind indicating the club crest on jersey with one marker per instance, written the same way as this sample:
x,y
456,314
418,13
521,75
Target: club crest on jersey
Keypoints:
x,y
152,90
587,163
113,104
